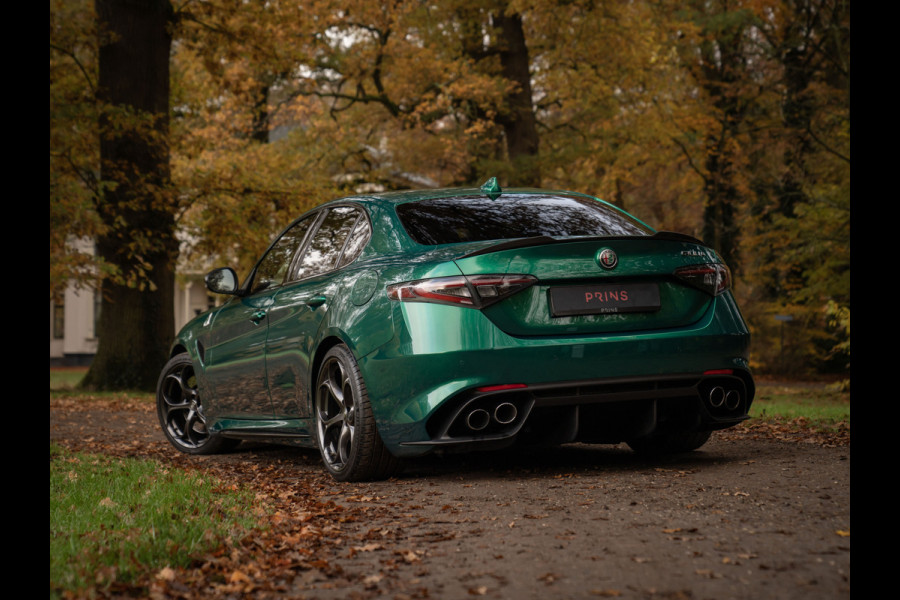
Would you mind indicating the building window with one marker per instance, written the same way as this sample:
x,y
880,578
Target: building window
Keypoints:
x,y
59,319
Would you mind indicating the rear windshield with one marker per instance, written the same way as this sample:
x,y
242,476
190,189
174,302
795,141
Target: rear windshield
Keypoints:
x,y
478,218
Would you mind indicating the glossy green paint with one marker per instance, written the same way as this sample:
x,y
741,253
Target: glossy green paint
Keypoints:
x,y
528,313
491,188
460,350
235,355
258,373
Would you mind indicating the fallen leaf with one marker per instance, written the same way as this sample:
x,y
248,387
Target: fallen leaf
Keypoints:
x,y
606,593
548,578
842,533
238,577
166,574
481,590
368,547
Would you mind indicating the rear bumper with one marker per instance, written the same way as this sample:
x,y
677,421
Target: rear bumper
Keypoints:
x,y
426,380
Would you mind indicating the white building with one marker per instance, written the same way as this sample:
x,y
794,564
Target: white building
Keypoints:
x,y
74,319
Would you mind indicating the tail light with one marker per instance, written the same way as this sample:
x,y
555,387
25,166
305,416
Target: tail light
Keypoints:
x,y
713,278
477,291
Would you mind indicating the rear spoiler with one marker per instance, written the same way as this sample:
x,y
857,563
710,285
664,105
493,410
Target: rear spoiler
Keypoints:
x,y
545,240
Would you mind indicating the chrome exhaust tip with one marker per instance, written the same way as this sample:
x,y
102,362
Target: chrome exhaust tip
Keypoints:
x,y
478,419
505,413
717,396
732,400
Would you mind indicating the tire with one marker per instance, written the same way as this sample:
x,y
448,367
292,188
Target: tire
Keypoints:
x,y
674,442
345,427
180,410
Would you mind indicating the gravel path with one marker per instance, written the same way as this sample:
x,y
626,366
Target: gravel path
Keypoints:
x,y
747,516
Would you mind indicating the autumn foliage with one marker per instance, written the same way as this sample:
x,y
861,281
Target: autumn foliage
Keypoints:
x,y
725,120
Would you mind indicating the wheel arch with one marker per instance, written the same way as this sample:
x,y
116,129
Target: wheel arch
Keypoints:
x,y
328,342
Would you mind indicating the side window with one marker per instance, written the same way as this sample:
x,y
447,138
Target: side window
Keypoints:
x,y
359,237
274,265
322,252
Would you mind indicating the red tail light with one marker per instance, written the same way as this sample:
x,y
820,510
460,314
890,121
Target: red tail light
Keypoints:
x,y
501,387
476,291
713,278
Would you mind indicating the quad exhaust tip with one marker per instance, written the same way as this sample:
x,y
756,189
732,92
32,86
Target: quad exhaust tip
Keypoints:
x,y
732,399
505,413
717,396
478,419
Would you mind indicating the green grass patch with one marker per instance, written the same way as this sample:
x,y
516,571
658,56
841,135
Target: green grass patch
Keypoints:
x,y
66,378
64,382
820,406
112,519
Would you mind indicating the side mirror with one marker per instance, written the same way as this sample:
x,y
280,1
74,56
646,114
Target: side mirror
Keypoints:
x,y
222,281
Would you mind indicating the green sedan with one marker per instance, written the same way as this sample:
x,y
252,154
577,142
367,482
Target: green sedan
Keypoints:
x,y
387,326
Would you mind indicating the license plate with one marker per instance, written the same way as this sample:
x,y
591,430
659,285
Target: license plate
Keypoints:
x,y
604,299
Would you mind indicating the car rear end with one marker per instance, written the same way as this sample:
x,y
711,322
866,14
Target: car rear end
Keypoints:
x,y
584,325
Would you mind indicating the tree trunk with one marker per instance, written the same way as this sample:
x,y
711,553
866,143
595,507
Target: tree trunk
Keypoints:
x,y
518,122
723,73
137,318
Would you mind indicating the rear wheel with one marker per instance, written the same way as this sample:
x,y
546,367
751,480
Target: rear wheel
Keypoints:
x,y
349,442
669,443
180,410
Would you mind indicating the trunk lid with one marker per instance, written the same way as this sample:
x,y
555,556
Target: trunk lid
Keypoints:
x,y
575,295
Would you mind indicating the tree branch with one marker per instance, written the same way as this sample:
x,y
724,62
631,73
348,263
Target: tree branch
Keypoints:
x,y
690,160
80,66
826,146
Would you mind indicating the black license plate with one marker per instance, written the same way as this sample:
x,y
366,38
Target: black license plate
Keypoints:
x,y
607,298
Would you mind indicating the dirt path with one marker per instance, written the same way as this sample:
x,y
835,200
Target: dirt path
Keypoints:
x,y
742,518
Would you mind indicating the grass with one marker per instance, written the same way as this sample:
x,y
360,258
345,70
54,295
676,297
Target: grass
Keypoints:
x,y
112,519
820,406
66,378
64,383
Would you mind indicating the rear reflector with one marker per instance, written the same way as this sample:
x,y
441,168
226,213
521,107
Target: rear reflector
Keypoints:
x,y
498,388
719,372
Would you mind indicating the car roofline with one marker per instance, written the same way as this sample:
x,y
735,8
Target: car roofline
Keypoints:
x,y
396,197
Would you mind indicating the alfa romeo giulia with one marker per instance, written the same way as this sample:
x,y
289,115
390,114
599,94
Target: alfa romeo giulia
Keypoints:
x,y
386,326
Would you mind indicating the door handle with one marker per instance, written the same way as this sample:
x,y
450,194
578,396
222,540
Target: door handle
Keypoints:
x,y
316,301
258,316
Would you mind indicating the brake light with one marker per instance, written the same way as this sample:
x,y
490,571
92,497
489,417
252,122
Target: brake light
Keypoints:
x,y
713,278
476,291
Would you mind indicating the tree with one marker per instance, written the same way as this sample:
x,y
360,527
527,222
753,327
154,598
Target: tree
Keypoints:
x,y
74,151
798,237
134,202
